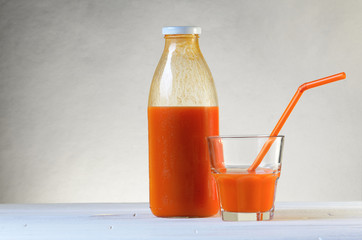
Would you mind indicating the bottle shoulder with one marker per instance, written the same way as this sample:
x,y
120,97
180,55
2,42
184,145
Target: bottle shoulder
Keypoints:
x,y
182,78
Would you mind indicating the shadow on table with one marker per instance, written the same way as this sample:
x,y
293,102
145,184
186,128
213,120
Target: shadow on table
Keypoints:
x,y
313,213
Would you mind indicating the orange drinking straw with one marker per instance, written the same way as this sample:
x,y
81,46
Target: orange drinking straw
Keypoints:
x,y
288,110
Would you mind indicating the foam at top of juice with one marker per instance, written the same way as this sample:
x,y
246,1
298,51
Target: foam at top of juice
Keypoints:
x,y
182,78
245,171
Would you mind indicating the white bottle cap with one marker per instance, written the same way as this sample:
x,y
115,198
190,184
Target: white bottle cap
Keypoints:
x,y
181,30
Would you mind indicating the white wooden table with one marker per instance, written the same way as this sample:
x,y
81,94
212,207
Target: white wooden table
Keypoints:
x,y
318,221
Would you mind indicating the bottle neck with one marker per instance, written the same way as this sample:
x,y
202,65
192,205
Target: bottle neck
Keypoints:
x,y
181,41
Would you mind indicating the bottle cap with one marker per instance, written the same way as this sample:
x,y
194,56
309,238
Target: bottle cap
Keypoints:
x,y
181,30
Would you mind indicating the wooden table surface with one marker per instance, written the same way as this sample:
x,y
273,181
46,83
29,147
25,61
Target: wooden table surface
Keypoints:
x,y
301,220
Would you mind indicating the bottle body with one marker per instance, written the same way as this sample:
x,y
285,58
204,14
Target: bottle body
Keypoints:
x,y
182,112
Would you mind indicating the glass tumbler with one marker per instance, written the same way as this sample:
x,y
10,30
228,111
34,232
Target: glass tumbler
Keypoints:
x,y
243,194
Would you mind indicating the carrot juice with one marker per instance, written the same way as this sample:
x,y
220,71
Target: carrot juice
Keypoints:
x,y
243,191
181,183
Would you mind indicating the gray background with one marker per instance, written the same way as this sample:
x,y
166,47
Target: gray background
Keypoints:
x,y
75,77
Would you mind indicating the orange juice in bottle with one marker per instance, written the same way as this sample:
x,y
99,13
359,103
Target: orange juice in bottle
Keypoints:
x,y
182,112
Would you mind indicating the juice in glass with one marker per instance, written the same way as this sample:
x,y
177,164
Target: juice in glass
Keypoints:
x,y
242,191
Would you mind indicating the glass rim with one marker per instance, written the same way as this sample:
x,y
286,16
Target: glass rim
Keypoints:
x,y
244,136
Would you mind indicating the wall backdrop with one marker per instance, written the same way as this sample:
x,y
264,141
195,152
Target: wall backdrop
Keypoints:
x,y
75,76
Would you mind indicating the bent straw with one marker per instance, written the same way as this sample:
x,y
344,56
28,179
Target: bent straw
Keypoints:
x,y
288,110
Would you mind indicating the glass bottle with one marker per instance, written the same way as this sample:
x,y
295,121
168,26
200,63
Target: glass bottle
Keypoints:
x,y
182,112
